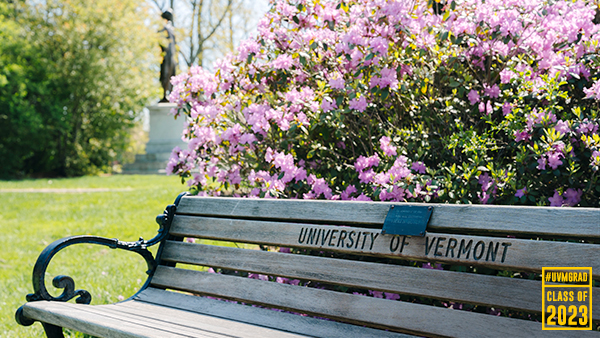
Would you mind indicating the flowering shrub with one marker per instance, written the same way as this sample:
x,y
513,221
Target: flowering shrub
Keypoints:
x,y
469,101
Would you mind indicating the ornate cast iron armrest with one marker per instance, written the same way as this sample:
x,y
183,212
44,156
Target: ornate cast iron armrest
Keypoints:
x,y
67,283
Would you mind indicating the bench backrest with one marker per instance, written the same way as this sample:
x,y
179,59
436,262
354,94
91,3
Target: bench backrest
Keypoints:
x,y
351,258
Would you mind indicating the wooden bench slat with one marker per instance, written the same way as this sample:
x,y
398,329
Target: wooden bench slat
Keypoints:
x,y
190,323
166,323
265,317
140,320
502,253
510,293
361,310
76,316
516,220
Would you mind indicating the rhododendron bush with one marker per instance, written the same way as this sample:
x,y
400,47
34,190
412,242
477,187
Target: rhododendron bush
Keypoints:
x,y
465,101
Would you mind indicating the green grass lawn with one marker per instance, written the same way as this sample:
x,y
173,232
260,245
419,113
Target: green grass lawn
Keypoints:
x,y
29,221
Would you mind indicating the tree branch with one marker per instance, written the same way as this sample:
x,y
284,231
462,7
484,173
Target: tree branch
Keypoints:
x,y
160,7
201,39
214,29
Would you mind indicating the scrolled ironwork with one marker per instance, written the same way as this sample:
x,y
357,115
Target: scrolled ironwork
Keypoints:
x,y
67,284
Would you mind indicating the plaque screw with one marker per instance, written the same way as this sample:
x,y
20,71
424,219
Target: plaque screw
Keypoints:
x,y
393,206
421,233
429,208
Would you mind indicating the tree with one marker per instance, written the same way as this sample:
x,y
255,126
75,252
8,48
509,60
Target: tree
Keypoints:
x,y
209,29
75,82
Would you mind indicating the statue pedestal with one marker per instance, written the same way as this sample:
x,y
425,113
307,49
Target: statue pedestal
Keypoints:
x,y
165,134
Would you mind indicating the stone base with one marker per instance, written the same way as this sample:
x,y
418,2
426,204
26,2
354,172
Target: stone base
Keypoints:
x,y
147,164
165,134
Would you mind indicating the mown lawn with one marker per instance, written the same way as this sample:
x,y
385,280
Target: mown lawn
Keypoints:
x,y
31,220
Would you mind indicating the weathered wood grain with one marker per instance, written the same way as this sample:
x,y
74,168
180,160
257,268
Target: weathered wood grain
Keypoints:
x,y
374,312
493,252
187,322
75,317
132,319
499,292
516,220
264,317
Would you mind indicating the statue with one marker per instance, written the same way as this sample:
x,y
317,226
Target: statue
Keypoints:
x,y
169,64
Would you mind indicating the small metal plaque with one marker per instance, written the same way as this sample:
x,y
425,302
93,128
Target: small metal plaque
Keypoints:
x,y
407,220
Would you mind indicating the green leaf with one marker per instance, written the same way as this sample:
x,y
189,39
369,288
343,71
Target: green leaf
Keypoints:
x,y
454,83
385,93
331,25
444,36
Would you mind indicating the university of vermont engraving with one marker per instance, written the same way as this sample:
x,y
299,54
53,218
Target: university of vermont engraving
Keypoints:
x,y
444,247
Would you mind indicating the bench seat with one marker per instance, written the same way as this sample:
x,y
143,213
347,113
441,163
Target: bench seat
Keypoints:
x,y
337,264
159,313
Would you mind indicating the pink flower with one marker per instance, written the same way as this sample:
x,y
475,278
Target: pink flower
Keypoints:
x,y
595,158
388,78
522,136
281,280
493,91
435,266
345,195
366,162
483,197
541,164
283,61
376,294
362,197
486,181
572,196
473,97
359,104
488,108
521,192
366,176
388,150
506,108
380,45
327,106
319,186
556,200
337,83
419,167
506,75
554,160
593,92
562,127
392,296
382,179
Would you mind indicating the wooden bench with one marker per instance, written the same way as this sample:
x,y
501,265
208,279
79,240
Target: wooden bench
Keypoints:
x,y
353,278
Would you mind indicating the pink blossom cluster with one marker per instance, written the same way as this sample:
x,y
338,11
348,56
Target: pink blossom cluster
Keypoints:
x,y
255,123
489,188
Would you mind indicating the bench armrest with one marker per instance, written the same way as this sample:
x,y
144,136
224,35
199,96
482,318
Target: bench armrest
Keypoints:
x,y
65,282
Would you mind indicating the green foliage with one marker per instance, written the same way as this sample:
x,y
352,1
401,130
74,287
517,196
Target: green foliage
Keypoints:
x,y
73,78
